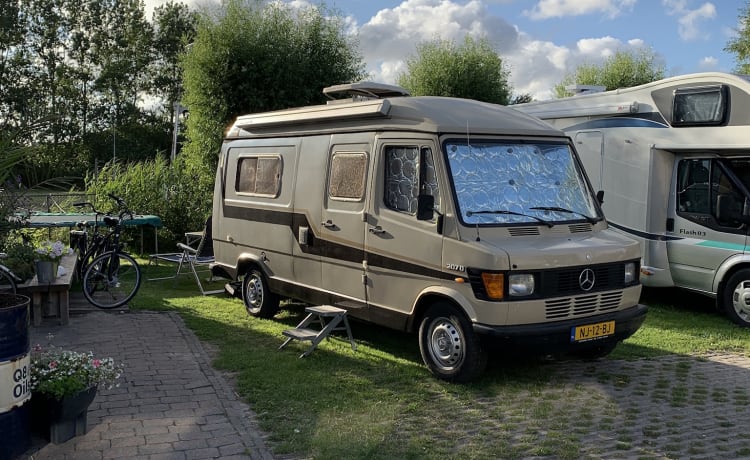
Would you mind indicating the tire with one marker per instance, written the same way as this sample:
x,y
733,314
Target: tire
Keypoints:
x,y
449,347
7,283
111,288
259,300
736,298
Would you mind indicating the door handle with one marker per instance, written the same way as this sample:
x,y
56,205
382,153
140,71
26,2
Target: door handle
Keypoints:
x,y
328,224
376,230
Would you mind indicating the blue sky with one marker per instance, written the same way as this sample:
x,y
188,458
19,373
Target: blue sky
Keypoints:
x,y
542,40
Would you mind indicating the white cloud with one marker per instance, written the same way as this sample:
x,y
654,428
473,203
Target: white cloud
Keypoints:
x,y
546,9
689,21
708,63
535,66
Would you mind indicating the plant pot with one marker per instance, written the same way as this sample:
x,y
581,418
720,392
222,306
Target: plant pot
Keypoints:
x,y
46,271
59,420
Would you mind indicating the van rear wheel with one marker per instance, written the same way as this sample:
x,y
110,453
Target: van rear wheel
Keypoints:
x,y
259,300
736,298
449,346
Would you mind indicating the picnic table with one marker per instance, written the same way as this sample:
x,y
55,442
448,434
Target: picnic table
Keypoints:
x,y
51,299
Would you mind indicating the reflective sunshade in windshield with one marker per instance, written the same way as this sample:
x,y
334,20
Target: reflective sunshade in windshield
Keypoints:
x,y
511,183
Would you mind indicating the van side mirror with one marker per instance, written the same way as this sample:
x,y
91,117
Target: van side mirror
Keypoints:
x,y
600,197
425,207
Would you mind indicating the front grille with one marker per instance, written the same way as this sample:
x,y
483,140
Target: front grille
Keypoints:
x,y
572,307
566,281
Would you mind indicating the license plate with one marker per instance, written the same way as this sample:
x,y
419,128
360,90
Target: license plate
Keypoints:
x,y
592,331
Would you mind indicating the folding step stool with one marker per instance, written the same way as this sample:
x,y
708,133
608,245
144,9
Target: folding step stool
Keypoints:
x,y
320,313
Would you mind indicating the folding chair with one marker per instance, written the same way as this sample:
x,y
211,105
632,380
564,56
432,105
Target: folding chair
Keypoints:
x,y
193,257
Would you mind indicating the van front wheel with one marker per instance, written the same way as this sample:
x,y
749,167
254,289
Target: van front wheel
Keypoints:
x,y
259,300
449,346
736,298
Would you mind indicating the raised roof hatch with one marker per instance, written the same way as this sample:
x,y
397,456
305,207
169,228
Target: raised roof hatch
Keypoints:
x,y
365,90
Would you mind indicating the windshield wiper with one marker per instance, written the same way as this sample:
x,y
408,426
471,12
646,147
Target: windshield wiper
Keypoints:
x,y
589,219
510,213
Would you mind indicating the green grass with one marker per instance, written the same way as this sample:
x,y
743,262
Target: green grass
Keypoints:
x,y
380,402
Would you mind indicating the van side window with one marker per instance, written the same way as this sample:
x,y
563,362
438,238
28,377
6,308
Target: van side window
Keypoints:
x,y
347,178
410,170
259,175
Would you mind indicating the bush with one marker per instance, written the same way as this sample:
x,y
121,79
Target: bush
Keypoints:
x,y
179,195
20,257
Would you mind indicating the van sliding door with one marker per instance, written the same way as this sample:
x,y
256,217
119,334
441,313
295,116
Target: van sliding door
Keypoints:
x,y
342,228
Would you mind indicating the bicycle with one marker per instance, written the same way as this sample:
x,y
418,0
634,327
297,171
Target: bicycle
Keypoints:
x,y
8,280
112,278
87,246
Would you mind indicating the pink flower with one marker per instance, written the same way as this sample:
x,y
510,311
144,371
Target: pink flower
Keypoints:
x,y
52,364
96,363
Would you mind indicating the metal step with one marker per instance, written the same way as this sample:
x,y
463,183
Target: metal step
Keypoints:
x,y
301,334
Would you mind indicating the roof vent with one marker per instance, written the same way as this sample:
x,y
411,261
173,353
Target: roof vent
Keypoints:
x,y
363,90
578,90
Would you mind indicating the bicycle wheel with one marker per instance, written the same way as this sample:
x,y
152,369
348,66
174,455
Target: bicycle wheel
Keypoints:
x,y
7,284
111,280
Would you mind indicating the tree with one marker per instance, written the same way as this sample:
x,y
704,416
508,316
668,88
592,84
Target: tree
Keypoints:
x,y
622,70
472,70
740,45
174,29
257,57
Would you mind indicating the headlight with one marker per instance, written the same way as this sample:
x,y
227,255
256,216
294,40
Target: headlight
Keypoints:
x,y
521,285
629,273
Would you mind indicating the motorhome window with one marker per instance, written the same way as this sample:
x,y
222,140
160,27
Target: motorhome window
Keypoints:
x,y
704,188
402,178
700,106
347,177
259,175
511,178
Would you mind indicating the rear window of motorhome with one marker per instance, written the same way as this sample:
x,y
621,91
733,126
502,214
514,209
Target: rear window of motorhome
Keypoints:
x,y
259,175
347,179
502,183
705,105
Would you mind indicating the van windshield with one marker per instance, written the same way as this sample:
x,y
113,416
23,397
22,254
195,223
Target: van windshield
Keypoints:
x,y
500,182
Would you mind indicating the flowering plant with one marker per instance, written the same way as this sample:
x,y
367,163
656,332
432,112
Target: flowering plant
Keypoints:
x,y
59,373
53,251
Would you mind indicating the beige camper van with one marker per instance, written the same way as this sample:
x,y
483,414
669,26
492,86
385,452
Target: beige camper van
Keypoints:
x,y
469,223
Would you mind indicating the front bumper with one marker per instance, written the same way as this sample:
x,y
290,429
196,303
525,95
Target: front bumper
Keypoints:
x,y
555,337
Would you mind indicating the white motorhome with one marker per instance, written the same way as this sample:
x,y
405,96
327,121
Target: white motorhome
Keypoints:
x,y
673,160
465,221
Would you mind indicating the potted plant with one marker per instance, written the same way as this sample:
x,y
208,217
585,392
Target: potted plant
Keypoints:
x,y
63,384
48,259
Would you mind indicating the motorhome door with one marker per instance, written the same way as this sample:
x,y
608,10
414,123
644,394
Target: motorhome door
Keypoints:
x,y
404,254
707,207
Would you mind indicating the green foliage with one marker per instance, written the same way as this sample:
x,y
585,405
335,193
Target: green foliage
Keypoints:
x,y
740,45
176,193
622,70
57,373
471,70
256,57
20,257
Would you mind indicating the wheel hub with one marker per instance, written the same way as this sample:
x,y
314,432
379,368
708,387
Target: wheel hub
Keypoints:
x,y
446,344
741,300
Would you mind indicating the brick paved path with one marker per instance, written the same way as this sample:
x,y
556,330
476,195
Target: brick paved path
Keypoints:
x,y
171,404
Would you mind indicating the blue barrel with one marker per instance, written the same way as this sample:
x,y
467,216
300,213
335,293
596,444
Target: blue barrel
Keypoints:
x,y
15,378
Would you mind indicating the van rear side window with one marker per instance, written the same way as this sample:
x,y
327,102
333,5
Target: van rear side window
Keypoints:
x,y
259,175
347,180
